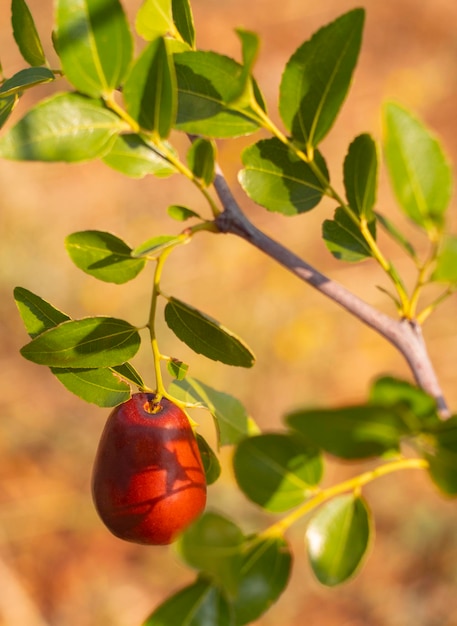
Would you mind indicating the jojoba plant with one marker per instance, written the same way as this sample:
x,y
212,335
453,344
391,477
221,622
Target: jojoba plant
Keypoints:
x,y
151,469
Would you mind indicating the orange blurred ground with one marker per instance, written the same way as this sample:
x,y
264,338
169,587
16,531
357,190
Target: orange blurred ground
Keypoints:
x,y
58,565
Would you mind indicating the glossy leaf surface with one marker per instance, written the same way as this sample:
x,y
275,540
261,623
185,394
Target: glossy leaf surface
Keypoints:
x,y
337,538
103,256
91,342
344,239
66,127
205,335
419,172
94,43
317,78
277,471
361,176
6,107
133,157
277,179
26,34
24,79
153,247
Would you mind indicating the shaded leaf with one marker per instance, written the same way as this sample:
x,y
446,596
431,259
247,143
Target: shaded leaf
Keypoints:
x,y
277,179
201,158
344,239
361,176
205,335
87,343
177,369
66,127
134,157
103,256
6,108
94,43
25,79
98,386
232,421
37,314
337,538
26,34
129,373
210,461
277,471
418,169
181,213
438,445
184,21
317,78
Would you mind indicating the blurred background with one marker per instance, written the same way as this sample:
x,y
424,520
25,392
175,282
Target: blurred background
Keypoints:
x,y
58,564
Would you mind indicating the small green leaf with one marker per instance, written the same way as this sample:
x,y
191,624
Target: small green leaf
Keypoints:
x,y
127,372
361,176
37,314
94,43
232,421
419,172
184,21
181,213
344,239
91,342
201,158
99,386
337,537
26,34
242,92
66,127
438,445
154,19
103,256
416,406
205,335
153,247
396,235
277,471
206,81
277,179
177,369
317,78
213,544
150,89
6,107
446,264
355,432
134,157
25,79
210,461
265,572
199,604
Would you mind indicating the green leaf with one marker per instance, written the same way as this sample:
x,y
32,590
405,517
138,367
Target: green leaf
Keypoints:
x,y
232,421
277,179
94,43
418,169
446,264
25,79
6,107
317,78
184,21
177,369
103,256
337,537
355,432
210,461
416,406
150,89
205,335
99,386
181,213
37,314
199,604
361,176
213,544
264,575
396,235
277,471
206,81
134,157
127,372
26,34
87,343
154,19
242,92
153,247
344,239
201,158
438,445
66,127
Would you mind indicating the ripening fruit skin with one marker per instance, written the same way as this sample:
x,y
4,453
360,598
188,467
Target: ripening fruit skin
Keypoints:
x,y
148,481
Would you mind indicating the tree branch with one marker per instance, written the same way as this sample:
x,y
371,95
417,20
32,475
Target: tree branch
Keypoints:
x,y
404,334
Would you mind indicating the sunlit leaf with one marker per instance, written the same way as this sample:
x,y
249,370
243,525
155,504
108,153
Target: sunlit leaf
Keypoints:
x,y
344,238
26,34
154,19
66,127
317,78
446,265
414,404
277,471
103,256
25,79
156,245
277,179
132,156
205,335
37,314
181,213
337,538
98,386
361,176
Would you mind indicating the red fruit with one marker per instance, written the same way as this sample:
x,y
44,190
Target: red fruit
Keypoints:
x,y
148,481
